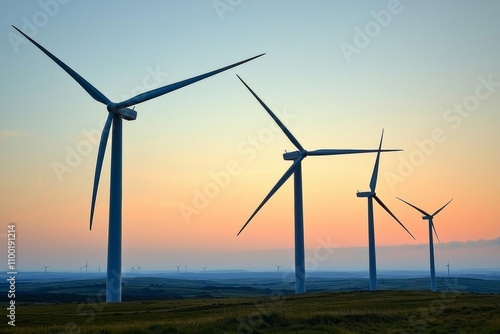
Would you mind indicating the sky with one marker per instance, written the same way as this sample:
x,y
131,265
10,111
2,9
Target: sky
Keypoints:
x,y
198,161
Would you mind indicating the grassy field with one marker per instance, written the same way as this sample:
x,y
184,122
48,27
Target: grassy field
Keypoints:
x,y
330,312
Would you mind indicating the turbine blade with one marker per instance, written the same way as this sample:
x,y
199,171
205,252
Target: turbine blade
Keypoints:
x,y
435,232
379,201
94,92
435,213
276,119
413,206
346,151
278,185
373,181
170,88
98,167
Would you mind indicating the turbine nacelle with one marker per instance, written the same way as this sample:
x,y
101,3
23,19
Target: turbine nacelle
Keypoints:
x,y
294,155
127,113
365,194
426,217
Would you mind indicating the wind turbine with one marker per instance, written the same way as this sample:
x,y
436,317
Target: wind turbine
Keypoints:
x,y
139,267
278,267
117,111
448,265
370,195
205,269
86,266
133,269
429,218
186,267
178,268
46,267
296,170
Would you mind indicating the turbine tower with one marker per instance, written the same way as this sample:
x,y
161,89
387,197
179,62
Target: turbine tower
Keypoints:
x,y
296,170
46,267
370,195
429,218
178,271
278,267
205,269
117,112
139,268
448,265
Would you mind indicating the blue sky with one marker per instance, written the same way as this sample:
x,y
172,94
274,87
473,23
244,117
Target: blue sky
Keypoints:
x,y
414,62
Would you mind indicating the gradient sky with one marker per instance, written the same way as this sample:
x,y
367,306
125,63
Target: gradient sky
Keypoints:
x,y
338,72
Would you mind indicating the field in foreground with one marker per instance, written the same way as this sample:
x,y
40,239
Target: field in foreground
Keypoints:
x,y
332,312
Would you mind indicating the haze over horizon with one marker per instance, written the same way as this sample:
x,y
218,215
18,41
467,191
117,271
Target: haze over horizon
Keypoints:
x,y
198,161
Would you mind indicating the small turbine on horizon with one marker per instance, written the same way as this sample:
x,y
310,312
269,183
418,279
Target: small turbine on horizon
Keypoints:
x,y
116,113
205,269
429,218
178,270
370,195
86,266
278,266
46,267
448,265
139,268
296,170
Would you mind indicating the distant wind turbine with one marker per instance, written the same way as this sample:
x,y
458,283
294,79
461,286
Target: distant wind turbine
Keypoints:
x,y
133,269
278,267
296,170
448,265
86,266
46,267
139,267
429,218
186,267
205,269
117,112
178,271
370,195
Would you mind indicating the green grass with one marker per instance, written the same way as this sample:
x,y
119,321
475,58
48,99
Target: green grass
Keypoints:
x,y
349,312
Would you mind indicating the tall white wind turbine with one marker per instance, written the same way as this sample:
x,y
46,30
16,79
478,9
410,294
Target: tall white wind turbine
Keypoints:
x,y
370,195
117,112
296,170
429,218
